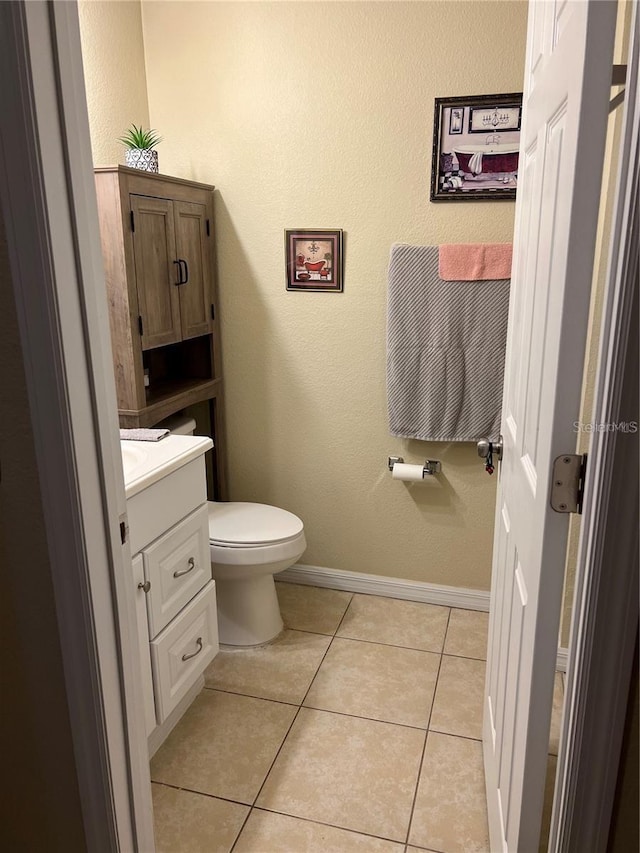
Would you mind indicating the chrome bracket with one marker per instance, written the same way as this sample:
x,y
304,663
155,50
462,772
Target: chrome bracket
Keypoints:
x,y
567,482
431,466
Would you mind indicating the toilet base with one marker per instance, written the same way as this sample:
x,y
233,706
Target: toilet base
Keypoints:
x,y
248,611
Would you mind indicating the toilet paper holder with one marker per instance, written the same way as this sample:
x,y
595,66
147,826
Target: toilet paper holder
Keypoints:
x,y
431,466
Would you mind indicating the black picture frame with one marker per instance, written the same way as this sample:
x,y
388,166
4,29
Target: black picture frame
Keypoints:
x,y
495,119
314,260
476,158
456,121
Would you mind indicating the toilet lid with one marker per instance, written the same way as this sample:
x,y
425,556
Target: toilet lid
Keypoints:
x,y
236,523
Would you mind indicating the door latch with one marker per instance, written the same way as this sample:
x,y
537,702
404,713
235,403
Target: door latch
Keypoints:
x,y
567,482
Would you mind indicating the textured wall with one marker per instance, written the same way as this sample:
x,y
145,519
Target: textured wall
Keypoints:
x,y
113,56
320,115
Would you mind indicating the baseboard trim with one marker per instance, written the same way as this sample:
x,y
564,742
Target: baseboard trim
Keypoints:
x,y
427,593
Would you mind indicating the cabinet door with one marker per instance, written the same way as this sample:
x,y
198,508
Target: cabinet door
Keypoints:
x,y
192,246
154,246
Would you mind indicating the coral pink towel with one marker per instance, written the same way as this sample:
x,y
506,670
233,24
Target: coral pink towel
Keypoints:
x,y
474,261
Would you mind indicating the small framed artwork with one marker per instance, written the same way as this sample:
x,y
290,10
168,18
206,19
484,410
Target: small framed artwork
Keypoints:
x,y
476,145
314,259
494,119
456,116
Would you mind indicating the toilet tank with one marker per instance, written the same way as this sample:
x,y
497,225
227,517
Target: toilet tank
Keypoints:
x,y
178,424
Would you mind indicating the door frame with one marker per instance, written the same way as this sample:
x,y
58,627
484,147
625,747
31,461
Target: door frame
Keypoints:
x,y
67,336
51,221
605,615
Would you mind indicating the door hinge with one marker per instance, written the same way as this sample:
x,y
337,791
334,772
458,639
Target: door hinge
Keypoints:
x,y
124,529
213,312
567,482
133,224
140,325
208,228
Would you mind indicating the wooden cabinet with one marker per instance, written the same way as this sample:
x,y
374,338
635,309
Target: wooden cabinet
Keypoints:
x,y
157,237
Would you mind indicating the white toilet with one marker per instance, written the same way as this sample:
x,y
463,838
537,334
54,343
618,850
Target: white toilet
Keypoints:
x,y
248,543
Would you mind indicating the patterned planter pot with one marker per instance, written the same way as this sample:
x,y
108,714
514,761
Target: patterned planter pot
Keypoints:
x,y
145,159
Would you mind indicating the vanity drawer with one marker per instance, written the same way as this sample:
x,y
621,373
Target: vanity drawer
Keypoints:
x,y
183,650
156,509
177,566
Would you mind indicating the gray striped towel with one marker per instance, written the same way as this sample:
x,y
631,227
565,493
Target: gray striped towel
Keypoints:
x,y
445,350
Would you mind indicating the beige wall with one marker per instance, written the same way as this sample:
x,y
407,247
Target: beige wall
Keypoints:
x,y
320,115
113,50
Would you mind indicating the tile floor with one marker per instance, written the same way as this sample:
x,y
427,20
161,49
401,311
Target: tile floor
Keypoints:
x,y
356,731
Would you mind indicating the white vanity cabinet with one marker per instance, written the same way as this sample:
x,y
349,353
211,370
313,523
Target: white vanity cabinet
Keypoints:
x,y
175,594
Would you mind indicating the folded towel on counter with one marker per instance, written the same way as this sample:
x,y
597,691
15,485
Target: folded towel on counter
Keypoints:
x,y
475,261
445,350
143,434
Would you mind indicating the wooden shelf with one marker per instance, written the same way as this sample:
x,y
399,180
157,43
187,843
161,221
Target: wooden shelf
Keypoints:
x,y
167,398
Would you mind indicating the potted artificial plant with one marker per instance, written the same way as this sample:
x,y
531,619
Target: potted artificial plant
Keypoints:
x,y
140,153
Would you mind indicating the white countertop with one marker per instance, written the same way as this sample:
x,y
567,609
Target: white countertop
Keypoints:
x,y
146,462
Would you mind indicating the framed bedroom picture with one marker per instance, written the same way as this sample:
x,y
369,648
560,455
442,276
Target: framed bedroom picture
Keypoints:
x,y
314,259
476,144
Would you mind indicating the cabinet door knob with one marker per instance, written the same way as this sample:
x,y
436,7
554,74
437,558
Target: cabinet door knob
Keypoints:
x,y
180,572
145,587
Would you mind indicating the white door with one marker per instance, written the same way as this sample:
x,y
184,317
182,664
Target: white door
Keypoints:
x,y
566,93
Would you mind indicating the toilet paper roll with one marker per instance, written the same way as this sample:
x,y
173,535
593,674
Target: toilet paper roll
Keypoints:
x,y
404,471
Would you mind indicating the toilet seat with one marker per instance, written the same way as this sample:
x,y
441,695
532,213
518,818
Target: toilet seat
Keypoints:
x,y
245,525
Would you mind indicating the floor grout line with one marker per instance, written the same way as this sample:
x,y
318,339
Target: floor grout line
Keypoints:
x,y
201,793
252,696
307,631
332,825
464,657
370,719
271,766
424,746
337,636
389,645
449,734
244,823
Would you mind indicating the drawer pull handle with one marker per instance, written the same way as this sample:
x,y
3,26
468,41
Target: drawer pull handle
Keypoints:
x,y
145,587
181,572
197,651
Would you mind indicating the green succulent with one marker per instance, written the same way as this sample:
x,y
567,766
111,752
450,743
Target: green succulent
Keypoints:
x,y
136,137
